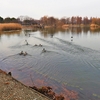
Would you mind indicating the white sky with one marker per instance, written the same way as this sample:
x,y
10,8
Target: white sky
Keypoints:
x,y
57,8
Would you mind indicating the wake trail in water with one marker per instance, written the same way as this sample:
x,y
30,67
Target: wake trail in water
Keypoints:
x,y
8,57
58,46
68,47
88,53
75,47
17,44
21,44
28,64
46,41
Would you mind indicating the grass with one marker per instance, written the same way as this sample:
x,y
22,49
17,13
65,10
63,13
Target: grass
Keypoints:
x,y
10,26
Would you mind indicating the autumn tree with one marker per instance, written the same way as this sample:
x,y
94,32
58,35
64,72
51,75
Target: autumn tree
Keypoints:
x,y
98,22
63,20
51,21
73,20
79,20
95,21
86,21
44,20
68,20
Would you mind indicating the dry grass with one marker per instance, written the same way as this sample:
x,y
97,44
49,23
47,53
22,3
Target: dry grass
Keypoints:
x,y
10,26
94,25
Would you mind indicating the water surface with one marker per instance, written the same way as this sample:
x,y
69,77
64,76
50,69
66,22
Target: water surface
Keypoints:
x,y
71,60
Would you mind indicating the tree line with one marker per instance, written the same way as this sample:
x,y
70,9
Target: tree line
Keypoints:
x,y
74,20
21,20
8,20
46,20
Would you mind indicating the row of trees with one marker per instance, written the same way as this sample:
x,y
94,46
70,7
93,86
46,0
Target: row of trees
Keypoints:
x,y
22,20
70,20
8,20
45,20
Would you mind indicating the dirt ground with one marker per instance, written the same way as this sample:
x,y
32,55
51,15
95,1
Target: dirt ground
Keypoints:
x,y
11,89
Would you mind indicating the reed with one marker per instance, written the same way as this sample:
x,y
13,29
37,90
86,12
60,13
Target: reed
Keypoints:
x,y
10,26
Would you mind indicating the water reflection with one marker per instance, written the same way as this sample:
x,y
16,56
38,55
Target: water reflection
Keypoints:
x,y
10,33
51,31
95,30
73,30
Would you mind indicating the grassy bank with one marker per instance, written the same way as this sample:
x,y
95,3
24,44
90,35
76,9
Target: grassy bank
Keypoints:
x,y
10,26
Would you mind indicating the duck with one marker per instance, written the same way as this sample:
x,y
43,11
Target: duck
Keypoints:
x,y
43,50
71,36
26,42
40,45
25,54
21,53
35,45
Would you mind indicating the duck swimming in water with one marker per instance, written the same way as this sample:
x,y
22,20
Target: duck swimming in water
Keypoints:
x,y
35,45
21,53
43,50
25,54
40,45
71,36
26,42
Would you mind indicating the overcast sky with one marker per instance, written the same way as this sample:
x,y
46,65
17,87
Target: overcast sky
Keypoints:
x,y
57,8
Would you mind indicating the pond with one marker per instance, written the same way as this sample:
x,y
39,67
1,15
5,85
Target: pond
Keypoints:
x,y
71,60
